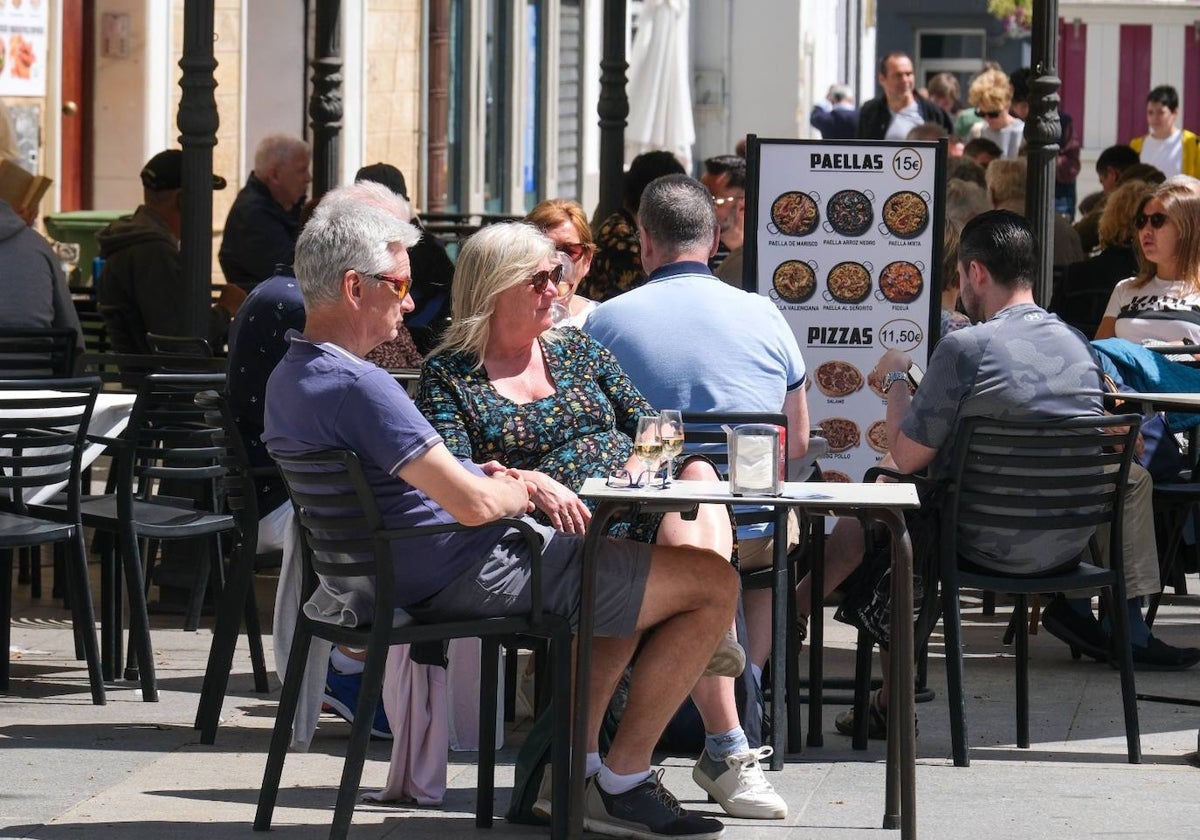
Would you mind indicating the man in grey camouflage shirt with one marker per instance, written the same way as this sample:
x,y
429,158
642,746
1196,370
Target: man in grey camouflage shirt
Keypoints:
x,y
1017,361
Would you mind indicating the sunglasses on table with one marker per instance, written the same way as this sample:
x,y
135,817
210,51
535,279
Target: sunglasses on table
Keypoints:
x,y
1155,220
549,277
988,114
400,285
624,478
574,250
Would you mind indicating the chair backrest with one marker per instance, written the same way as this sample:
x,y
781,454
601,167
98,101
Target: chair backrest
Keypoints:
x,y
179,345
93,326
1008,475
168,437
43,424
238,482
128,370
37,353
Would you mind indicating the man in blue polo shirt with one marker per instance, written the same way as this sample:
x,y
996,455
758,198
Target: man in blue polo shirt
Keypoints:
x,y
354,275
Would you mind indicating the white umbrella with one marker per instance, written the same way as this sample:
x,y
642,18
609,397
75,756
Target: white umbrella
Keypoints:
x,y
660,97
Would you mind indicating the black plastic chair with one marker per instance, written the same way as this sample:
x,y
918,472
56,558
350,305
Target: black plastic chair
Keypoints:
x,y
179,345
37,353
45,447
167,441
236,603
996,466
703,429
343,536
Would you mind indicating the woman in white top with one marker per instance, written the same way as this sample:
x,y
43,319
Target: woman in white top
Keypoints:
x,y
991,93
1161,303
567,226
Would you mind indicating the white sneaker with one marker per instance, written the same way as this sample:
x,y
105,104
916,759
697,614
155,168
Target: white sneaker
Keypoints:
x,y
542,806
739,786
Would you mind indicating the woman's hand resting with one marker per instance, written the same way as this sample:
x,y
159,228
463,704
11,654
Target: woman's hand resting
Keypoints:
x,y
567,513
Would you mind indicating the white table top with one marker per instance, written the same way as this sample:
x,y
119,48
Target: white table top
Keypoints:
x,y
1183,400
800,494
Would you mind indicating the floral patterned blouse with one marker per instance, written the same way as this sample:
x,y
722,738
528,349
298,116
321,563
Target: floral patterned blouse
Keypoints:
x,y
581,430
618,264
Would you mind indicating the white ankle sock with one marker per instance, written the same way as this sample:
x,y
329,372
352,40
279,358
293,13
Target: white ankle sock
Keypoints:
x,y
344,664
615,783
592,764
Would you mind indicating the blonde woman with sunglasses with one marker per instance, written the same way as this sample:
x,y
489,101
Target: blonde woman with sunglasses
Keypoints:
x,y
1162,302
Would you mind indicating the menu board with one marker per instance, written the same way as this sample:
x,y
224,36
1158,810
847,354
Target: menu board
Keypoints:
x,y
23,25
845,238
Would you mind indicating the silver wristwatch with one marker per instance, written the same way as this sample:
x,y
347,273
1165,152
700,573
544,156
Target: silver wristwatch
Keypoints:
x,y
892,378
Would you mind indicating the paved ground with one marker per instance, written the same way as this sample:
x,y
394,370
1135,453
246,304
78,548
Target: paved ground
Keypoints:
x,y
133,770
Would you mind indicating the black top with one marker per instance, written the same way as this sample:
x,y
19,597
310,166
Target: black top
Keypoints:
x,y
874,117
259,234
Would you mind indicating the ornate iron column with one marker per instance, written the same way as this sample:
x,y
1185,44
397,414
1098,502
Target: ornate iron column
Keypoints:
x,y
198,122
325,103
613,107
1042,135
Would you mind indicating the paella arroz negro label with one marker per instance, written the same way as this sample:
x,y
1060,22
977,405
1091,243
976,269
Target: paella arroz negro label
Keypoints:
x,y
845,249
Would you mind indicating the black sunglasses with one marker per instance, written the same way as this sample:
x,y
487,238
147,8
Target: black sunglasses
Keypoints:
x,y
543,279
988,114
1156,220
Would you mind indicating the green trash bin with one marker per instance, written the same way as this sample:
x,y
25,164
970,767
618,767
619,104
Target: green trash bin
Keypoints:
x,y
81,227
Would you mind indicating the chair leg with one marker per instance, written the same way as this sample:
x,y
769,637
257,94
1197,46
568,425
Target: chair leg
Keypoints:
x,y
862,689
816,638
258,661
1020,619
1120,624
82,615
6,575
560,746
360,735
510,681
110,610
139,620
989,604
281,735
952,627
231,603
485,787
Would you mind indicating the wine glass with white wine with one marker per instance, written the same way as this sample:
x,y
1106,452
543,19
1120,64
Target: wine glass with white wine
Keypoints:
x,y
647,445
670,429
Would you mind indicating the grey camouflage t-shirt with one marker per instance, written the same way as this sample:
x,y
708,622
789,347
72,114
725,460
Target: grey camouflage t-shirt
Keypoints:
x,y
1024,363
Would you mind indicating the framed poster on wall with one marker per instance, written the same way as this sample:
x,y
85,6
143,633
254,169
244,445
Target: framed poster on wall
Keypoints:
x,y
845,238
23,27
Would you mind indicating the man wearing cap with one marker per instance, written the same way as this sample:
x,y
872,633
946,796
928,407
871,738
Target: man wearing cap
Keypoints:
x,y
264,221
141,284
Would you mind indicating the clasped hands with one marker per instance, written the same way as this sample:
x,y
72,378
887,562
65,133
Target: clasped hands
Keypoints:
x,y
565,510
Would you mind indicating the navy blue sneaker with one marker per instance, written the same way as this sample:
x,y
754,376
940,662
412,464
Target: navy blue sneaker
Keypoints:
x,y
341,698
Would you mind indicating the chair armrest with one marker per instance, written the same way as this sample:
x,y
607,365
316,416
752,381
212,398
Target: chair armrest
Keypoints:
x,y
801,469
107,441
875,473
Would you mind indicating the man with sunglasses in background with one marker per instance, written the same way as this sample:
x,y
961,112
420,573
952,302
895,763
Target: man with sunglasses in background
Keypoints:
x,y
354,275
725,178
900,109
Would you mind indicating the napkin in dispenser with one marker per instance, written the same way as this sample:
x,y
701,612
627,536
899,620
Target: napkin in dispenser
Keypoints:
x,y
754,458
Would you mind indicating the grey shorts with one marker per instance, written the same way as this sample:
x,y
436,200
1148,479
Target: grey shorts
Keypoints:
x,y
500,583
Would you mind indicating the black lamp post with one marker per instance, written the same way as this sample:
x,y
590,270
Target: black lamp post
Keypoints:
x,y
613,107
325,103
198,121
1043,131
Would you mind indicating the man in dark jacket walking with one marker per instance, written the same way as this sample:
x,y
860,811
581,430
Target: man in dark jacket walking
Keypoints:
x,y
899,110
141,284
264,221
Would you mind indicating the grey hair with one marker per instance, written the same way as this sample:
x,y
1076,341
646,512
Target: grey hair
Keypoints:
x,y
275,150
496,258
841,93
677,214
353,228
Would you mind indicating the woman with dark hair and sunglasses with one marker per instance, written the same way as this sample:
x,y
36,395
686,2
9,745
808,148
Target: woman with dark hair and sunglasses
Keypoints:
x,y
567,226
1161,302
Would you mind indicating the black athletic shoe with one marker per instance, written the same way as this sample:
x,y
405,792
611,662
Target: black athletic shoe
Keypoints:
x,y
1157,655
648,812
1083,634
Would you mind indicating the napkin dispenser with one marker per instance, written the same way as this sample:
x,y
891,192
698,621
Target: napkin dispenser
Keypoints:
x,y
755,456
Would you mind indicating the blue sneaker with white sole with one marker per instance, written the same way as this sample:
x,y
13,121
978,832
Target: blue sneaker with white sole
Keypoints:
x,y
341,697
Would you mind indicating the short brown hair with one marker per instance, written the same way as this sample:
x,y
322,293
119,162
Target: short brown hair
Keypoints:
x,y
554,211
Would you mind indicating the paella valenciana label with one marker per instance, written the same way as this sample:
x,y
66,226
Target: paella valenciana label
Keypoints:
x,y
845,238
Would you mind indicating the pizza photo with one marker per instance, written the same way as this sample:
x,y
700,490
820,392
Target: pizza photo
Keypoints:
x,y
838,379
840,433
905,214
849,282
795,213
901,282
850,212
794,281
877,436
835,476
